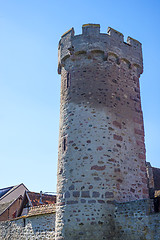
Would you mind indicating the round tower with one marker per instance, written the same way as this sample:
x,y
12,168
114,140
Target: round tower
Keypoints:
x,y
101,137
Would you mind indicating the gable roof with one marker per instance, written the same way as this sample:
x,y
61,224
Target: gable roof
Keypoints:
x,y
36,203
11,193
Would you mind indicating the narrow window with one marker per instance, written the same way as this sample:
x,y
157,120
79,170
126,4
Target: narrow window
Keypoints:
x,y
68,80
24,222
8,213
64,144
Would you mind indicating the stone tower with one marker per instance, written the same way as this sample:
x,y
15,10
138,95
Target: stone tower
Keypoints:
x,y
101,138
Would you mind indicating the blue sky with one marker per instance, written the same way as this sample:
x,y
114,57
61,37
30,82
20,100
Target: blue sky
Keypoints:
x,y
30,86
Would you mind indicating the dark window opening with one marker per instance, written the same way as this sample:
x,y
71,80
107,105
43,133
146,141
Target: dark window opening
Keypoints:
x,y
157,204
64,144
68,80
8,213
24,222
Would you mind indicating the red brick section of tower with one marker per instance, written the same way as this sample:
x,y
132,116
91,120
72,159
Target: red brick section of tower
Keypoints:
x,y
101,138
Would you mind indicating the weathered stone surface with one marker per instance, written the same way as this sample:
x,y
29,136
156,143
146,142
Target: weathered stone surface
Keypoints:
x,y
31,227
101,119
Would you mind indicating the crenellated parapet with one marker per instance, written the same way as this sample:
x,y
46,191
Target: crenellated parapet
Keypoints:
x,y
92,41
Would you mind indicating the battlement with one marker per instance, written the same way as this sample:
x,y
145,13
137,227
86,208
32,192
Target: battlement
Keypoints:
x,y
92,40
115,34
90,29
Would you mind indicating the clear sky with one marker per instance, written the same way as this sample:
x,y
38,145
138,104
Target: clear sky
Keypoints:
x,y
30,86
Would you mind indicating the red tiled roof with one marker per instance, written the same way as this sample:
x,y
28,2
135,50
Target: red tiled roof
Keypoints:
x,y
46,198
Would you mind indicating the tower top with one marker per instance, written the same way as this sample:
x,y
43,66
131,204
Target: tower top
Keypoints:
x,y
92,39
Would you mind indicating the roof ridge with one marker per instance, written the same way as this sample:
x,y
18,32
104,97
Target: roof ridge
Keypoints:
x,y
11,190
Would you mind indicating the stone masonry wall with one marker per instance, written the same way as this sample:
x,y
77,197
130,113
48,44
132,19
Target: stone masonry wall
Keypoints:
x,y
129,221
136,220
28,228
101,140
